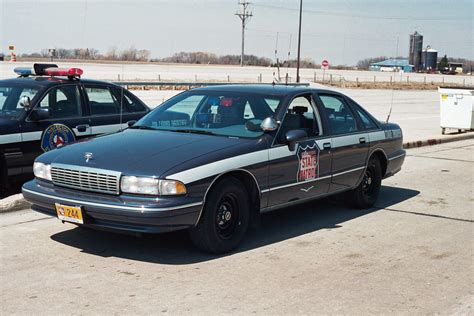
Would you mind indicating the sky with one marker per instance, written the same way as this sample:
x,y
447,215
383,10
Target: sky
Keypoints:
x,y
341,31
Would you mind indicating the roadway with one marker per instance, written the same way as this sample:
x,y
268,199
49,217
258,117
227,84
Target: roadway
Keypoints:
x,y
411,254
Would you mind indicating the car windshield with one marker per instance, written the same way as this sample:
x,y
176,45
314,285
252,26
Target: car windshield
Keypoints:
x,y
213,113
10,97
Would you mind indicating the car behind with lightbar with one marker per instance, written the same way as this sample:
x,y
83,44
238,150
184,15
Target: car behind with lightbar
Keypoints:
x,y
211,160
47,107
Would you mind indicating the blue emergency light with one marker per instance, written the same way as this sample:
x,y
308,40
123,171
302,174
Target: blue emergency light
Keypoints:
x,y
24,71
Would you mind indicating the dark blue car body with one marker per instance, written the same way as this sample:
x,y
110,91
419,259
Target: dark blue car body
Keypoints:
x,y
272,172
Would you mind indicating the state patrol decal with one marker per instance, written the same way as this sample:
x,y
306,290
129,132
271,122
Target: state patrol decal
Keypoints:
x,y
55,136
308,161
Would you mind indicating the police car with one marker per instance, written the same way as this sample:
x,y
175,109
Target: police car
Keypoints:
x,y
47,107
210,160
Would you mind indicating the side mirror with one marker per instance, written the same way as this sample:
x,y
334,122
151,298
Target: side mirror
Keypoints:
x,y
40,114
269,125
131,123
25,102
293,136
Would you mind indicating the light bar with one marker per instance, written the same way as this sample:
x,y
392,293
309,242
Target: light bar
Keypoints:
x,y
69,72
24,71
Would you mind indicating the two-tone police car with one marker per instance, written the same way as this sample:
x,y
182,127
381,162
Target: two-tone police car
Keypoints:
x,y
47,107
212,159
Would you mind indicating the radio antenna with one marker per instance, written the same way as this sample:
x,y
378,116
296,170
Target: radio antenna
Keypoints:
x,y
121,102
391,101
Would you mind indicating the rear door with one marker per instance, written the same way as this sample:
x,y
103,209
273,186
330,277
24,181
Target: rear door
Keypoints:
x,y
106,114
349,141
65,125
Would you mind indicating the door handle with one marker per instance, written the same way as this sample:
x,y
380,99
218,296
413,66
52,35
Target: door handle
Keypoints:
x,y
362,140
327,146
82,128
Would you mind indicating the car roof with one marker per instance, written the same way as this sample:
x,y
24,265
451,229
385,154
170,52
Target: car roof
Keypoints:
x,y
270,89
46,81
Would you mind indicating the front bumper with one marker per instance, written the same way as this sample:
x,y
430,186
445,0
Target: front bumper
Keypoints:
x,y
121,213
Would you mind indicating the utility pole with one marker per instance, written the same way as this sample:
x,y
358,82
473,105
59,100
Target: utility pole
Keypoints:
x,y
244,16
299,45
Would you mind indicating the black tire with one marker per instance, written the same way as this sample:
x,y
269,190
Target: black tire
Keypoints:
x,y
4,183
225,218
366,194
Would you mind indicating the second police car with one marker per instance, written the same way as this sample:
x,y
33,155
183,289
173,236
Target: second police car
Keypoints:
x,y
212,159
47,107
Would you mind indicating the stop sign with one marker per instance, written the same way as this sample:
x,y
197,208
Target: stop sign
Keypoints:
x,y
325,63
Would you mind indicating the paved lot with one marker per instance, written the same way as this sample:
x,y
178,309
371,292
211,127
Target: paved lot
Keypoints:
x,y
412,254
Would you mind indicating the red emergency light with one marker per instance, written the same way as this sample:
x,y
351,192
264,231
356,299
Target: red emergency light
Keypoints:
x,y
68,72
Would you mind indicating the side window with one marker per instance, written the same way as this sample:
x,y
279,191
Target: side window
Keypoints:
x,y
129,101
102,101
300,115
367,121
338,114
63,102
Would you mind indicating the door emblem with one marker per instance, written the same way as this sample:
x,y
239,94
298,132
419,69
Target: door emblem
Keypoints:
x,y
88,156
308,161
55,136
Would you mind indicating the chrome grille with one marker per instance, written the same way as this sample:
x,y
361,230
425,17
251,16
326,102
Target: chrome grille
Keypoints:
x,y
84,178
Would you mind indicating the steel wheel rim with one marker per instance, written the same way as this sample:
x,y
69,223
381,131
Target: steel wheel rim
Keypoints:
x,y
227,216
368,181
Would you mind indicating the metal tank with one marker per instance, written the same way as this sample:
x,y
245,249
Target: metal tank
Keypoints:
x,y
430,59
416,48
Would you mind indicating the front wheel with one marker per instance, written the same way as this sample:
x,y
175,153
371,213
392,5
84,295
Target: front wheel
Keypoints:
x,y
366,194
225,218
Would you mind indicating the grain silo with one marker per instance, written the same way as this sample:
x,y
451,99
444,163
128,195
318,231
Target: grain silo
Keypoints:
x,y
416,48
430,59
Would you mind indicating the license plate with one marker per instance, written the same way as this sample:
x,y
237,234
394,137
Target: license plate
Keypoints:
x,y
68,213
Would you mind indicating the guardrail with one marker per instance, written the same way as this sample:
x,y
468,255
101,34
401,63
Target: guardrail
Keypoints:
x,y
190,85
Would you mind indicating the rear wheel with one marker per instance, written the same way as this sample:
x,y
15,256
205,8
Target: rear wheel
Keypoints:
x,y
366,194
225,218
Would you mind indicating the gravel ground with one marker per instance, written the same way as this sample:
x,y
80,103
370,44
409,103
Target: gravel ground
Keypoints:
x,y
411,254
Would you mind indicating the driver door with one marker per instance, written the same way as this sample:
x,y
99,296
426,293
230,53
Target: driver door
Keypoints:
x,y
65,124
302,172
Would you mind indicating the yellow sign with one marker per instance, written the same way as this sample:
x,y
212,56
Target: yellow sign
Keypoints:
x,y
71,214
11,47
444,97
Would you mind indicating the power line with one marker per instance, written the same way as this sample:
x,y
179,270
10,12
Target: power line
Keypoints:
x,y
378,17
244,16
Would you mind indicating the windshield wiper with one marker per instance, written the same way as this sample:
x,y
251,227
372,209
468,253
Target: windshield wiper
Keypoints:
x,y
194,131
142,127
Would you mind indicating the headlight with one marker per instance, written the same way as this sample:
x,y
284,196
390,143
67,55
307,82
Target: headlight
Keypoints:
x,y
151,186
42,170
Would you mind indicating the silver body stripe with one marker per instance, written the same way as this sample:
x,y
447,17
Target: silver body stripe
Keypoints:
x,y
220,166
33,136
265,155
342,141
376,136
295,183
132,208
111,128
348,171
10,138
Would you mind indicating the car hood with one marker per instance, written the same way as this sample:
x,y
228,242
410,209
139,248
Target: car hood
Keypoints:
x,y
140,152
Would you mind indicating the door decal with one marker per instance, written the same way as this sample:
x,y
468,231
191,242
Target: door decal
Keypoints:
x,y
56,135
308,161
